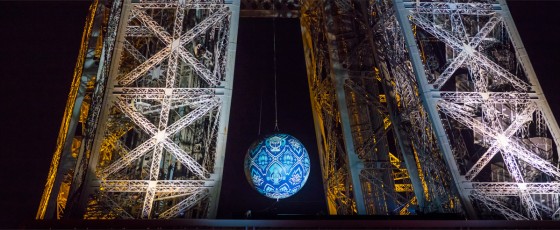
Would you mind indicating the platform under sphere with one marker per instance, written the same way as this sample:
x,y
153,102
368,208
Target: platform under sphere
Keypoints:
x,y
277,165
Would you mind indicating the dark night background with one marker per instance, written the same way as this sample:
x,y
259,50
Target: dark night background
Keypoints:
x,y
39,42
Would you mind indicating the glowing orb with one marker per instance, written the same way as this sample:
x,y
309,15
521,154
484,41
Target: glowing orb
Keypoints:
x,y
277,166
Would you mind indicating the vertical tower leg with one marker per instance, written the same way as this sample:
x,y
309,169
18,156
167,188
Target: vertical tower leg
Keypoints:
x,y
156,131
492,125
365,168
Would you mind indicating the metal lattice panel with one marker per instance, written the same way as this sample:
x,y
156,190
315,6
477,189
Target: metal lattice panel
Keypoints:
x,y
156,130
364,173
419,106
484,105
409,113
454,88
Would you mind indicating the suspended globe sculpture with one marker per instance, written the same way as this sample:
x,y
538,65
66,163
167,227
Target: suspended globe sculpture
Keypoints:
x,y
277,166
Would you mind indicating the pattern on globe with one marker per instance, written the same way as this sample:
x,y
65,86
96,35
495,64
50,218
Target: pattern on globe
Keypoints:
x,y
277,166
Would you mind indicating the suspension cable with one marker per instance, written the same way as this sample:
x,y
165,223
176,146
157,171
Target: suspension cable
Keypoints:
x,y
275,91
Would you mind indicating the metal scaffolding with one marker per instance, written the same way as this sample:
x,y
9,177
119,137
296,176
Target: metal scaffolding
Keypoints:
x,y
420,107
146,137
429,107
369,163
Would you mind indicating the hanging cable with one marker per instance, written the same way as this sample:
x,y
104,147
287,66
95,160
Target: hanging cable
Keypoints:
x,y
275,92
260,113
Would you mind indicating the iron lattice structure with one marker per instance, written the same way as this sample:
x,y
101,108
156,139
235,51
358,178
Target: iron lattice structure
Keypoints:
x,y
145,127
419,107
368,159
429,107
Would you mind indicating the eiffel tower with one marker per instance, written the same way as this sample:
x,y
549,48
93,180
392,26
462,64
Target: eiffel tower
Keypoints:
x,y
419,107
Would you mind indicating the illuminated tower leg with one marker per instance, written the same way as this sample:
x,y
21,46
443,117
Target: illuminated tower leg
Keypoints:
x,y
156,130
493,126
364,171
72,130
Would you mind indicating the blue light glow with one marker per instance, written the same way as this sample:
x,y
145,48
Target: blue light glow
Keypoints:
x,y
277,166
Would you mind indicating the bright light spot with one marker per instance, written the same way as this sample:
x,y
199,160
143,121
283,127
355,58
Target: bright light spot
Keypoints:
x,y
468,49
160,136
503,140
176,43
522,186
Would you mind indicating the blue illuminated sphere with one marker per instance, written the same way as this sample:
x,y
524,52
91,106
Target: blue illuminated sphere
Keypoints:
x,y
277,166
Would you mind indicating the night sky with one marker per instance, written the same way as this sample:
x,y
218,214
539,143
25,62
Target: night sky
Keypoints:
x,y
39,43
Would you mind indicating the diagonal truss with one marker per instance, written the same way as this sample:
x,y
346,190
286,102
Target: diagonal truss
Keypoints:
x,y
364,173
171,93
174,44
497,206
492,123
466,51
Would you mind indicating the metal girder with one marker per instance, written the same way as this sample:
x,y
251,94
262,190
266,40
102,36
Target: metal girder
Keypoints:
x,y
419,103
204,25
198,67
137,117
498,206
502,111
190,117
128,158
338,75
185,159
442,35
471,8
362,93
457,26
149,200
384,188
191,4
503,140
515,172
495,147
472,45
484,62
115,207
85,68
162,186
194,102
352,120
487,97
161,136
171,4
512,189
533,159
134,52
157,155
338,190
184,204
172,195
140,70
160,93
523,57
138,31
174,44
432,148
148,22
467,51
